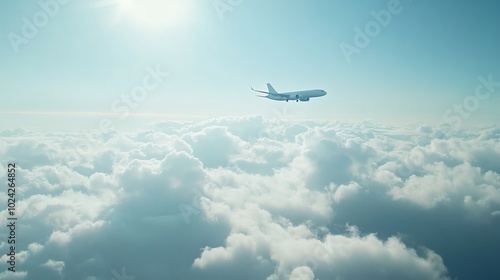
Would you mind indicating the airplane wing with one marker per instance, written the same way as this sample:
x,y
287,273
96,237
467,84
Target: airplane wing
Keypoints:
x,y
260,91
280,94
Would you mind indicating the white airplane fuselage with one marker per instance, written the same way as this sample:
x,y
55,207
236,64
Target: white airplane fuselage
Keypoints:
x,y
302,95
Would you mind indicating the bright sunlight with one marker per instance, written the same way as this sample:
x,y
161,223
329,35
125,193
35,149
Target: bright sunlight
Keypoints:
x,y
153,14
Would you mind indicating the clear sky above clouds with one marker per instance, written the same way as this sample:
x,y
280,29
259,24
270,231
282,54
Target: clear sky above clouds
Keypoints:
x,y
202,180
86,54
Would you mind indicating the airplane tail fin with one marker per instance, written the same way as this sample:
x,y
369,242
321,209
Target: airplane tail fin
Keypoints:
x,y
271,89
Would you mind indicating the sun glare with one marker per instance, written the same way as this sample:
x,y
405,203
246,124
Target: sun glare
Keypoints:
x,y
154,13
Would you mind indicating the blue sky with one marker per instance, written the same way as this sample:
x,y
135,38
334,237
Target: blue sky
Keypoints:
x,y
89,53
226,185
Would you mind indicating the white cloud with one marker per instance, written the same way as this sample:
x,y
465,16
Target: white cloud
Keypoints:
x,y
62,238
35,247
8,275
442,184
57,266
264,199
301,273
343,191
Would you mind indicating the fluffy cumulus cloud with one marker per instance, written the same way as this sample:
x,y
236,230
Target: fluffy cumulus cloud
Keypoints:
x,y
252,198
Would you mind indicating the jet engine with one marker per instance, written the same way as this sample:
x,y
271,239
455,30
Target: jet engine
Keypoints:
x,y
304,99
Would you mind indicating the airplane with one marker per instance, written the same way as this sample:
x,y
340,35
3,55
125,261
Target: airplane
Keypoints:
x,y
302,95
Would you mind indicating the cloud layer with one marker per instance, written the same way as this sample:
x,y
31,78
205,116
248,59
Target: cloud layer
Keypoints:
x,y
250,198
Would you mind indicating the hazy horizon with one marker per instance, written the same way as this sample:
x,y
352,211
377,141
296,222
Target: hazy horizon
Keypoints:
x,y
132,146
